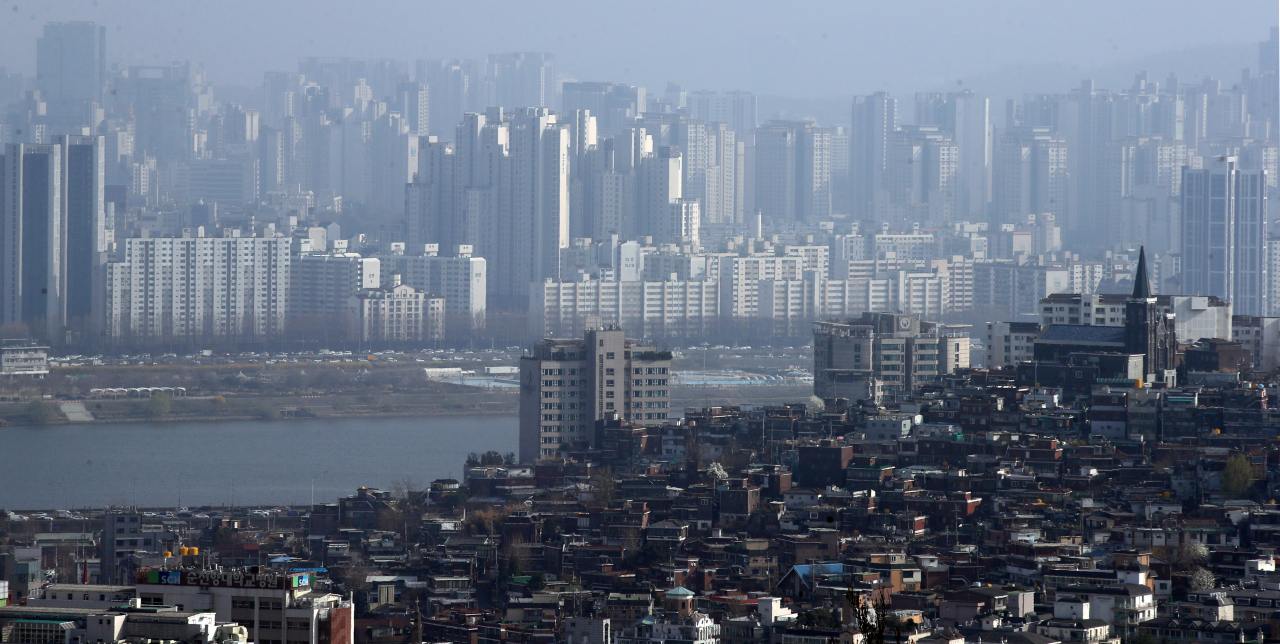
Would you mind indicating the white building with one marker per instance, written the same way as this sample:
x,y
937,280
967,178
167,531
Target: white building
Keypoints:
x,y
229,287
740,278
398,313
1009,343
461,279
652,309
23,358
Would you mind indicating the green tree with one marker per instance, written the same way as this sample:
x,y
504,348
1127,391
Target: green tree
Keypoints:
x,y
1237,476
39,412
159,405
537,582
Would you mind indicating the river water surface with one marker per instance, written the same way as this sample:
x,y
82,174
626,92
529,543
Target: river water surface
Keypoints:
x,y
239,462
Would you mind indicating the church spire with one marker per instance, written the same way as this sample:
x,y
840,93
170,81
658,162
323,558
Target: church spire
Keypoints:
x,y
1141,284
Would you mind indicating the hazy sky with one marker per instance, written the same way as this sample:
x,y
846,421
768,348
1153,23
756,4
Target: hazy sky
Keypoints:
x,y
798,49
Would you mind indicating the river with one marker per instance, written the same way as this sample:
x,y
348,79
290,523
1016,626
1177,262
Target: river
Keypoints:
x,y
239,462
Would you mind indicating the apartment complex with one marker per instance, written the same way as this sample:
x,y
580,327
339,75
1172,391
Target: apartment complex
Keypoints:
x,y
459,278
199,287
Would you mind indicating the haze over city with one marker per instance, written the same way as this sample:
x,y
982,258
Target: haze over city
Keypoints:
x,y
639,323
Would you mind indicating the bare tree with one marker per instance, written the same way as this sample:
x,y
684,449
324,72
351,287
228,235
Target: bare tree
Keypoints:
x,y
603,485
870,618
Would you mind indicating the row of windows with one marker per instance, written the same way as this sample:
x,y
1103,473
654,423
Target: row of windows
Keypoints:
x,y
561,394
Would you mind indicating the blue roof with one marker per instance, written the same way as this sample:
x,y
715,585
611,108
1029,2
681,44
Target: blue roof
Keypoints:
x,y
1083,334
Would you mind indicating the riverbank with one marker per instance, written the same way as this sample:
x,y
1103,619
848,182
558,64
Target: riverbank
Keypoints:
x,y
454,400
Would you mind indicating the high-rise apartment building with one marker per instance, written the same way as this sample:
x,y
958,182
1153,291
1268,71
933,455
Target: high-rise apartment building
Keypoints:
x,y
1143,182
966,116
71,70
841,176
920,175
566,385
660,184
1030,175
503,188
793,171
86,232
875,117
1086,138
519,80
1224,241
740,279
533,216
713,158
392,162
164,101
413,102
33,251
666,309
455,86
735,109
614,105
321,288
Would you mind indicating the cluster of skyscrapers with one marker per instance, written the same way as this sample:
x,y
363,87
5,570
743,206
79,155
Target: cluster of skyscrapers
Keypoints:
x,y
137,205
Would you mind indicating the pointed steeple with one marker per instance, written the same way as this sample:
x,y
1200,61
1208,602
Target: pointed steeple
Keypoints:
x,y
1141,284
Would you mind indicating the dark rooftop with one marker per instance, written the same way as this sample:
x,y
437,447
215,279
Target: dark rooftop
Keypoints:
x,y
1083,334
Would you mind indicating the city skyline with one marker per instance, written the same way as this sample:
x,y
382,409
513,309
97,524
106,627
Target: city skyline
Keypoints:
x,y
784,54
